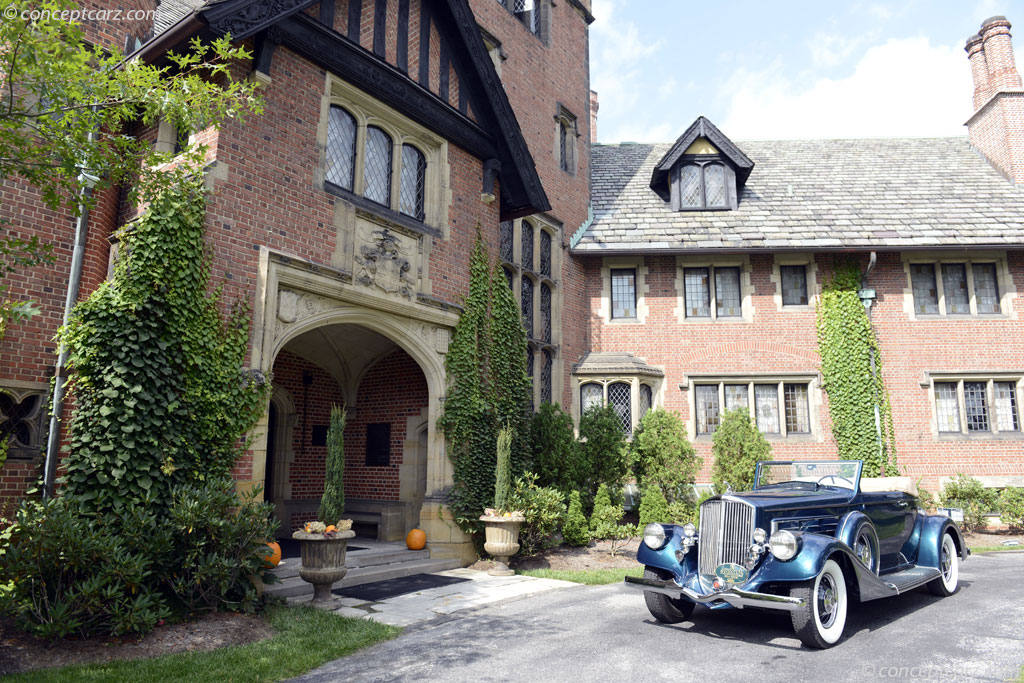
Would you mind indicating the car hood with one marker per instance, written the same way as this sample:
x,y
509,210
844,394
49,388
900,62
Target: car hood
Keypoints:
x,y
784,499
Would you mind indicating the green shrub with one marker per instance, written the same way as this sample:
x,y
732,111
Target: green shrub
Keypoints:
x,y
737,447
71,573
604,447
925,499
681,512
1011,506
332,502
219,543
968,494
558,459
575,530
544,511
502,474
606,515
653,506
662,455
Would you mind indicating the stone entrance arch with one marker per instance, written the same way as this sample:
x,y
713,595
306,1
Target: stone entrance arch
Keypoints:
x,y
296,298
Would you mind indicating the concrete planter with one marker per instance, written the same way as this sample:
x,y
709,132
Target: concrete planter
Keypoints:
x,y
323,561
501,540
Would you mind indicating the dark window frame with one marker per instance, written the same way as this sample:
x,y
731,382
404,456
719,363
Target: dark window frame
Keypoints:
x,y
713,301
789,268
632,272
702,162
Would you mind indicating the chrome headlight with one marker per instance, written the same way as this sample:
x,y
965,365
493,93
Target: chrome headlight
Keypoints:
x,y
654,536
760,535
689,530
784,545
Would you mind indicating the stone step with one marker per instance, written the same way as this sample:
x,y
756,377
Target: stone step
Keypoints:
x,y
289,567
293,585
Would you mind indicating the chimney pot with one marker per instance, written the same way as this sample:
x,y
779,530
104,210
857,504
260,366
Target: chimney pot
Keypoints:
x,y
1002,68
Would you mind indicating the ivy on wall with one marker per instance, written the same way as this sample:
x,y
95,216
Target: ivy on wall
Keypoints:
x,y
846,341
487,388
161,397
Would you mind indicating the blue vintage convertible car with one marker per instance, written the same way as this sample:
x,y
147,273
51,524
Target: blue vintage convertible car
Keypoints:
x,y
811,538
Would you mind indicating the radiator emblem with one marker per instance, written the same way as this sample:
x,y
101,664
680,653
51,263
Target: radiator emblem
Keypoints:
x,y
732,573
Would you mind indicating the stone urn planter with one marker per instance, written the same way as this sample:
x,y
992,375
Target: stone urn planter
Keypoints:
x,y
501,540
323,561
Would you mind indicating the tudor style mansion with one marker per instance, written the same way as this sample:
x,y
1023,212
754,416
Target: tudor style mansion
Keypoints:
x,y
681,275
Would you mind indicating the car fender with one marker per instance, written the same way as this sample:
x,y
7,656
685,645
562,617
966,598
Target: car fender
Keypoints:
x,y
665,557
932,529
814,550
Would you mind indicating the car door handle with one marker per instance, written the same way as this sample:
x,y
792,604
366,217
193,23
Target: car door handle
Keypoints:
x,y
902,503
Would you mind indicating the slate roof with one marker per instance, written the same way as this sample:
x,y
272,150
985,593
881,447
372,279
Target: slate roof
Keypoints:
x,y
168,12
813,194
613,362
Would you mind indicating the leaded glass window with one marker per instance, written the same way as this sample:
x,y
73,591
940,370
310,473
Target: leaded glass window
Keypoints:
x,y
698,292
798,419
527,246
689,187
21,423
736,397
591,396
766,407
986,290
619,397
563,145
623,293
976,406
547,363
505,241
947,407
708,415
545,253
341,148
511,277
926,294
1007,416
714,186
377,166
727,292
954,287
526,11
545,312
527,306
646,400
413,182
794,285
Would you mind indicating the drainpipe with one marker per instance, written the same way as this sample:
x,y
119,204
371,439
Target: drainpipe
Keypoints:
x,y
867,297
86,182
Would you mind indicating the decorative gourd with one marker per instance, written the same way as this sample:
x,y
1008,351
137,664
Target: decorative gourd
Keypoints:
x,y
416,539
274,558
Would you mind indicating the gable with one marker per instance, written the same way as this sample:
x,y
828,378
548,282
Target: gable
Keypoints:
x,y
701,135
424,58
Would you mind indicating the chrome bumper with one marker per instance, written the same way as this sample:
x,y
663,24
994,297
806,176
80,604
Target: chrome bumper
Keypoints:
x,y
733,596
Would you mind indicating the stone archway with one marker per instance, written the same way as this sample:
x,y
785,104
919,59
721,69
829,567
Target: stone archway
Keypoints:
x,y
297,299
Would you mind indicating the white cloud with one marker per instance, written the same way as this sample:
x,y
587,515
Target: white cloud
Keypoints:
x,y
832,49
904,87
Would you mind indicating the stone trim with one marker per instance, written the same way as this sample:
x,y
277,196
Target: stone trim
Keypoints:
x,y
1004,281
928,383
795,259
746,287
633,378
609,263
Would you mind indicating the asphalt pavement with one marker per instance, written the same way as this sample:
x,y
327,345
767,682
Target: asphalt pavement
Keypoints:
x,y
604,633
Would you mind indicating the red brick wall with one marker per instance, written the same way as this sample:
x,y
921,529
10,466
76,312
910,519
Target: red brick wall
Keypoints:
x,y
392,390
785,341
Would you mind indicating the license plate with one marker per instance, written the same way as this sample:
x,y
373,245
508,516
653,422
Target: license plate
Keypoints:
x,y
732,573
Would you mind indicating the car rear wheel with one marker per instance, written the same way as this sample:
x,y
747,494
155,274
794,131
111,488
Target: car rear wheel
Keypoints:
x,y
663,608
819,623
949,564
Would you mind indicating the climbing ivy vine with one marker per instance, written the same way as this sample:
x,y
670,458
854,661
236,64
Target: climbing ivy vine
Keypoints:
x,y
846,341
161,397
487,388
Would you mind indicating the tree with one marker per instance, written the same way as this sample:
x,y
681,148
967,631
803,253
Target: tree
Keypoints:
x,y
69,113
332,502
558,459
575,530
737,446
662,456
604,445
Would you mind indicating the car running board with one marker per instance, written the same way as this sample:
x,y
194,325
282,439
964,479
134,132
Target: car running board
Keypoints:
x,y
912,578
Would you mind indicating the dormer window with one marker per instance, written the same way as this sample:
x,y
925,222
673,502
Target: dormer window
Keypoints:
x,y
702,185
703,171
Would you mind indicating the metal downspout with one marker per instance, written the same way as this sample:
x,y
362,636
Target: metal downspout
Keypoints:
x,y
74,284
867,297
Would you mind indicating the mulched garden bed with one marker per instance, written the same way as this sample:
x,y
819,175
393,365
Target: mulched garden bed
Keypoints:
x,y
594,556
22,652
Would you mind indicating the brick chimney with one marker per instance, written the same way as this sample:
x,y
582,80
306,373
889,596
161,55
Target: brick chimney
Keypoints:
x,y
593,116
997,127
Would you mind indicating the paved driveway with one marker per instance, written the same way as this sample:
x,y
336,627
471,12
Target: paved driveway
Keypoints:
x,y
606,634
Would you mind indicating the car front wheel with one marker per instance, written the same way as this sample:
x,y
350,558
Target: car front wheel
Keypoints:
x,y
949,581
663,608
819,623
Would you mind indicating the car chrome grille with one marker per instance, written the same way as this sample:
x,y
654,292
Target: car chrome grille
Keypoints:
x,y
726,530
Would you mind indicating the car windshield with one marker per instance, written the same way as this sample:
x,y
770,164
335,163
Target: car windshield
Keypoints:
x,y
833,473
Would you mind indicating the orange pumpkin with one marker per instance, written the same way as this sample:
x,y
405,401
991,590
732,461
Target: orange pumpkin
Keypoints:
x,y
330,527
416,539
274,558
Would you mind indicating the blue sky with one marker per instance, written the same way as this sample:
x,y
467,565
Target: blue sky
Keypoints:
x,y
782,70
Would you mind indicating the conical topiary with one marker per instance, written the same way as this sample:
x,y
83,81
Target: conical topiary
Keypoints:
x,y
332,502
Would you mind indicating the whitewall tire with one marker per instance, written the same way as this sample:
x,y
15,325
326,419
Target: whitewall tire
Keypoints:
x,y
820,622
949,564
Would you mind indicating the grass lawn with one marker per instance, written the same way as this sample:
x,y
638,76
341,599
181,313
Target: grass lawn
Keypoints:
x,y
994,548
306,638
591,577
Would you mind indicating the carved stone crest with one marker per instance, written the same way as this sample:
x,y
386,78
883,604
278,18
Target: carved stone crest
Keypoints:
x,y
287,306
381,264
